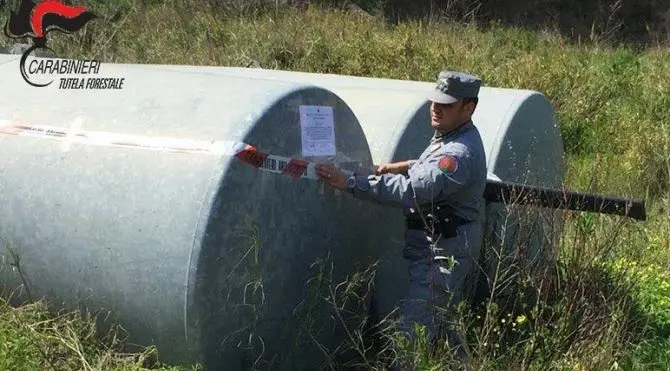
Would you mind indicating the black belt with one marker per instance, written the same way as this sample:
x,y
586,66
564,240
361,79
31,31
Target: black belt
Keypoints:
x,y
441,222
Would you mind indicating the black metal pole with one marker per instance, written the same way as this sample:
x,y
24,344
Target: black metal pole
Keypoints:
x,y
513,193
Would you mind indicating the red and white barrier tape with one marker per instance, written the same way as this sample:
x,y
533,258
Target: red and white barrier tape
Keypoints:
x,y
295,168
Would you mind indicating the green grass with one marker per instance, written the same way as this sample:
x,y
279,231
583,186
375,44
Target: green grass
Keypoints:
x,y
606,307
32,338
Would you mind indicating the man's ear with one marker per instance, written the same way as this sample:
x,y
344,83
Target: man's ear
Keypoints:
x,y
470,107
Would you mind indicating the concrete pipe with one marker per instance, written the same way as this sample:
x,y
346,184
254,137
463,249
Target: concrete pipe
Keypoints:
x,y
135,202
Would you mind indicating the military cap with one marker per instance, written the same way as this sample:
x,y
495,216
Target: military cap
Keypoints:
x,y
454,86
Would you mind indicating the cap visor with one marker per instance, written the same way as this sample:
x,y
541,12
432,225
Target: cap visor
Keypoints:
x,y
439,97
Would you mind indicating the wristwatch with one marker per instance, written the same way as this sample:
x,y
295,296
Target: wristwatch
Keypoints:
x,y
351,182
350,179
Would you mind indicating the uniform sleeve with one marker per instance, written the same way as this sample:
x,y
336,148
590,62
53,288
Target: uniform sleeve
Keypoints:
x,y
426,181
386,189
441,175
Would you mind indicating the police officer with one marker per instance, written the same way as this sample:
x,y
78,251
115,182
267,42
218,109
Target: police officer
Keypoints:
x,y
441,194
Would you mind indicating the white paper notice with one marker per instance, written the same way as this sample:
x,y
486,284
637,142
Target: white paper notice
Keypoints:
x,y
318,131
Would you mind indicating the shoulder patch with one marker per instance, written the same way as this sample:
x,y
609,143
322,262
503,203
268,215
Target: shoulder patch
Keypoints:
x,y
448,164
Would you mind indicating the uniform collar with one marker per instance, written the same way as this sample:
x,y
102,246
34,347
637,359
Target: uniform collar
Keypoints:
x,y
457,130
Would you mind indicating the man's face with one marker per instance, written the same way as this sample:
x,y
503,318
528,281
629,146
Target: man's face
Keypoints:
x,y
445,117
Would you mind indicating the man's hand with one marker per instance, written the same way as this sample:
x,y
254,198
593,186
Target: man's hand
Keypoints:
x,y
332,175
393,168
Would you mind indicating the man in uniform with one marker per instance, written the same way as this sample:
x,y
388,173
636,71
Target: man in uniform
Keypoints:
x,y
441,194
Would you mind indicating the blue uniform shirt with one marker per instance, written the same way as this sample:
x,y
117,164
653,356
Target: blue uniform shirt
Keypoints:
x,y
451,171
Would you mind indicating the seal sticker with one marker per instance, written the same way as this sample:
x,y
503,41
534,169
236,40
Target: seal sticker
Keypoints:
x,y
448,164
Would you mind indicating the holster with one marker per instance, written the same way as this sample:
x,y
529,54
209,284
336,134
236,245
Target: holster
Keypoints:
x,y
441,221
